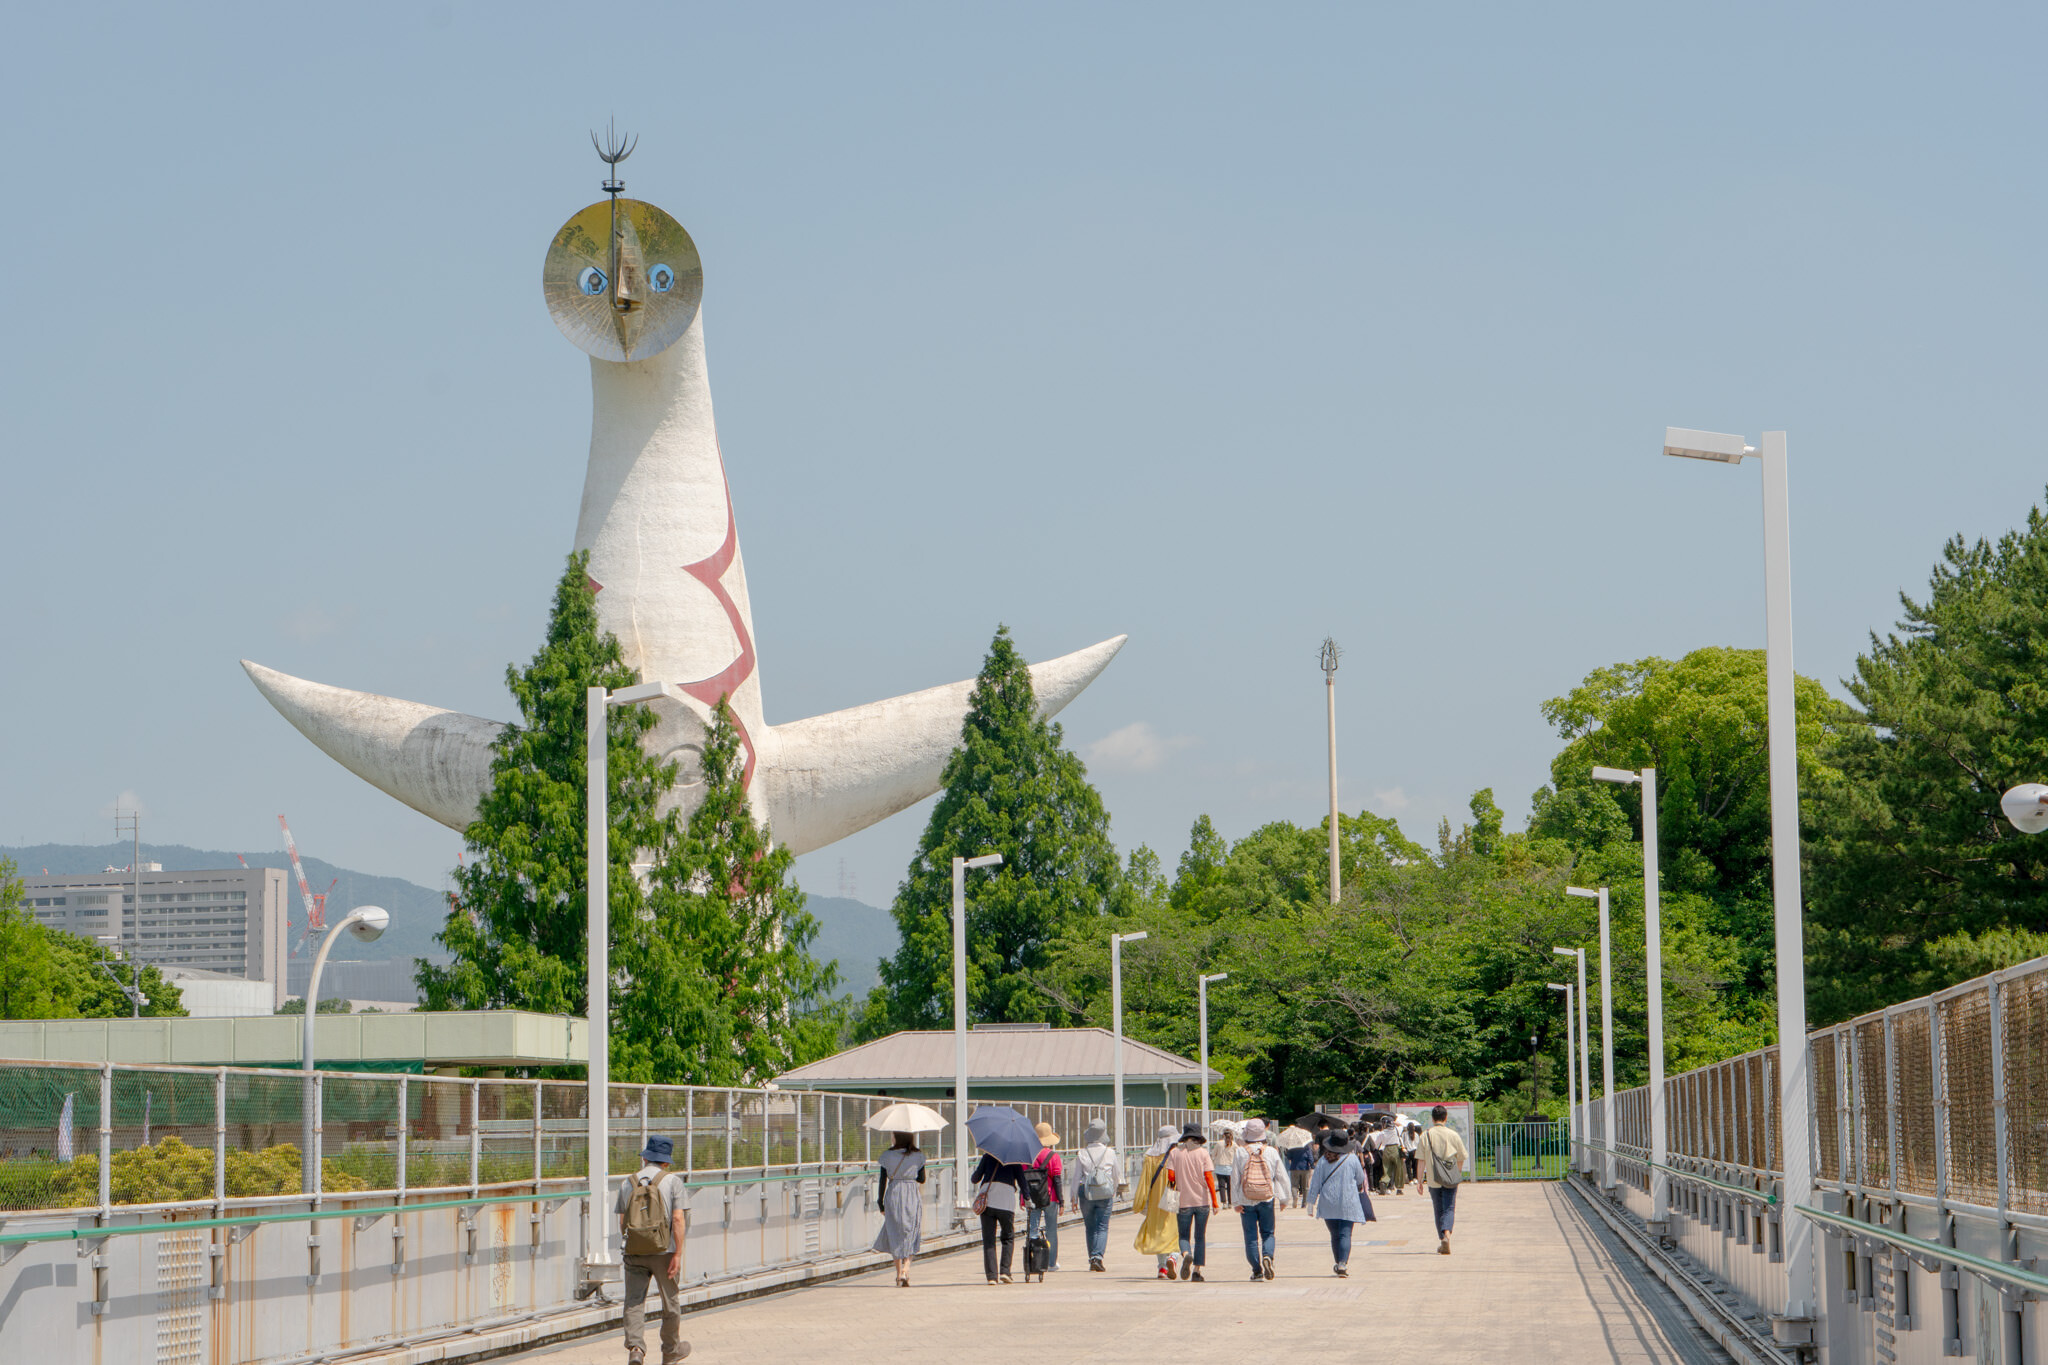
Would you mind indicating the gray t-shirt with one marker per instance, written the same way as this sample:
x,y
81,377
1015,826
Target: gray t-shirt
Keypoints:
x,y
668,1187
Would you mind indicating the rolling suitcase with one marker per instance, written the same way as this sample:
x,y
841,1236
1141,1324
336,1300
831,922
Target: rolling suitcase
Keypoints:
x,y
1037,1258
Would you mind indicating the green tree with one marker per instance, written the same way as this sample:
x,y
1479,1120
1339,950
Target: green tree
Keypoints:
x,y
1917,879
333,1004
516,926
1011,787
722,991
1702,723
46,973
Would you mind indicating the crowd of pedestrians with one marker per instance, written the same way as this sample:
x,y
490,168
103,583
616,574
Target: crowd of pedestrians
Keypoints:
x,y
1181,1186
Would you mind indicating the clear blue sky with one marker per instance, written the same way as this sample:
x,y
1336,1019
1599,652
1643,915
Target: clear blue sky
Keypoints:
x,y
1228,328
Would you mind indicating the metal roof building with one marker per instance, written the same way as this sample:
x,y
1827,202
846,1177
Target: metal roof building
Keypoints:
x,y
1007,1061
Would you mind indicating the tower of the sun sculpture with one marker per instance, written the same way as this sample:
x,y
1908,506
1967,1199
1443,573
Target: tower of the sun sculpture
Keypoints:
x,y
624,282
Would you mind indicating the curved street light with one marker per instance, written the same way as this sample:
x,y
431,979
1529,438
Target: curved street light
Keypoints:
x,y
364,924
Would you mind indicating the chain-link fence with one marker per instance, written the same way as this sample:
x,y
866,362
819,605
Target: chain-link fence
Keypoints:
x,y
186,1135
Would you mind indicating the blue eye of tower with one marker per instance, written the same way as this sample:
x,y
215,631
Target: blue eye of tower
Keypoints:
x,y
592,280
662,278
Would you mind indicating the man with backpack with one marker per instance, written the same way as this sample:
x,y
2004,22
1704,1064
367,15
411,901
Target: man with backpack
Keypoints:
x,y
652,1210
1100,1175
1440,1153
1258,1187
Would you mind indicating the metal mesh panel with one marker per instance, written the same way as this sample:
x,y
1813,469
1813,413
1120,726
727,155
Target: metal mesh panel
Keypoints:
x,y
438,1121
564,1131
1760,1106
708,1120
1872,1105
2025,1005
1774,1147
1724,1080
505,1121
750,1130
358,1132
1966,1070
1826,1098
1913,1068
48,1117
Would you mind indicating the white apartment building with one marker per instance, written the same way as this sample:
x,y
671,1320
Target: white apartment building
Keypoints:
x,y
229,920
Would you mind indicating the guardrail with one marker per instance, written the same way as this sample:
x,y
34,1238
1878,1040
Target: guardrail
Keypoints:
x,y
147,1248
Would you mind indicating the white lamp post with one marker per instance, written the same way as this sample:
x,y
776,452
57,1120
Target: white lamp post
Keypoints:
x,y
1330,655
1606,1039
1571,1080
1116,1009
1789,917
364,923
1653,948
960,1135
1202,990
1580,1121
597,701
2027,807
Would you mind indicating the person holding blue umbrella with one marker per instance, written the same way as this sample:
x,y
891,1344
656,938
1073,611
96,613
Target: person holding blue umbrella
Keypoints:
x,y
1008,1143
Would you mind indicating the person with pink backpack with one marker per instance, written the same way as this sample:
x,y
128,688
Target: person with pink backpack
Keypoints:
x,y
1258,1190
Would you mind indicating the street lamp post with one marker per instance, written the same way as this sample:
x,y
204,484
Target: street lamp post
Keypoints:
x,y
1202,990
1606,1039
960,866
1116,1009
1571,1082
1330,655
597,856
364,923
1788,916
1653,949
1581,1122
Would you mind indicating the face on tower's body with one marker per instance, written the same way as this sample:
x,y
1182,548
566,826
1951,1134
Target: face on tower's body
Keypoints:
x,y
623,280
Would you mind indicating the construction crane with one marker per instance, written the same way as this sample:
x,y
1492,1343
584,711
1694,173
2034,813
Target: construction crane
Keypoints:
x,y
316,906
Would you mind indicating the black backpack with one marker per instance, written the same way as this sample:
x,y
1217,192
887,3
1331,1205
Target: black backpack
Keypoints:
x,y
1037,1186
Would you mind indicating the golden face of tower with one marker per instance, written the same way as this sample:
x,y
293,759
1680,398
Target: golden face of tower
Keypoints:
x,y
623,280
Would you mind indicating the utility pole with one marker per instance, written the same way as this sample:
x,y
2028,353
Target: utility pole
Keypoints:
x,y
1330,656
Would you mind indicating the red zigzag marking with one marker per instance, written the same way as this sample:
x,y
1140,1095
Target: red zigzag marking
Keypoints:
x,y
710,571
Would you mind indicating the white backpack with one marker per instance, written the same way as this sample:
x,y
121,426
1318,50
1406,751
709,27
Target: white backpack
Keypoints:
x,y
1098,1174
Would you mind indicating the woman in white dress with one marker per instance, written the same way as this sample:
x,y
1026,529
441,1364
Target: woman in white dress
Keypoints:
x,y
901,1199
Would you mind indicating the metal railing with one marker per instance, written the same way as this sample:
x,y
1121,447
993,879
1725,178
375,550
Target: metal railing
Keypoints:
x,y
148,1201
1521,1151
1930,1157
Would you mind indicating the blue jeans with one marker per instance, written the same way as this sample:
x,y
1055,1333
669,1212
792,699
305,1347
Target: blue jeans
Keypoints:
x,y
1095,1219
1443,1202
1340,1239
1198,1220
1048,1218
1258,1231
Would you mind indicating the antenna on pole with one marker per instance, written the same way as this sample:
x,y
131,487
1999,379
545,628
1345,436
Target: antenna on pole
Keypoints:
x,y
1329,656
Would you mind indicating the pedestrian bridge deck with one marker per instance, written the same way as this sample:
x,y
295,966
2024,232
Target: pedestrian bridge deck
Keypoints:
x,y
1530,1280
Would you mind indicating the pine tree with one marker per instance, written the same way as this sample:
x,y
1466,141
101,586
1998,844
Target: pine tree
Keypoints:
x,y
1010,788
720,989
517,925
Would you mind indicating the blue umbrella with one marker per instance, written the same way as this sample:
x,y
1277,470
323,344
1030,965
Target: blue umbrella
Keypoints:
x,y
1005,1134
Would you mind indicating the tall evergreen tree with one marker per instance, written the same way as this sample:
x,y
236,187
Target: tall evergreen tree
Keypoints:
x,y
1011,788
517,926
720,989
1918,881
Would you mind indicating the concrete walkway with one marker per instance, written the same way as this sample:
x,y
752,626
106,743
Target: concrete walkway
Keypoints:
x,y
1529,1281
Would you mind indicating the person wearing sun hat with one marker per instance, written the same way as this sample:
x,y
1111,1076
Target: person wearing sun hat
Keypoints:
x,y
1336,1194
660,1224
1156,1233
1258,1190
1193,1177
1048,1218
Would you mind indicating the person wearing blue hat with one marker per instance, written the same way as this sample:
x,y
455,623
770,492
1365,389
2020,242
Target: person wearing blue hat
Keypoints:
x,y
651,1220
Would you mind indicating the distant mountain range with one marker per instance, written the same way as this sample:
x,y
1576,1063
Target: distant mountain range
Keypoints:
x,y
857,934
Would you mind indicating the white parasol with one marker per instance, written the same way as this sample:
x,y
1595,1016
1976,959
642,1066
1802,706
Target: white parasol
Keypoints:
x,y
907,1118
1293,1136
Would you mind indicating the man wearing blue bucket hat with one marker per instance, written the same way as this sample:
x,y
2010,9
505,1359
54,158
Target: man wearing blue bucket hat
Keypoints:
x,y
651,1214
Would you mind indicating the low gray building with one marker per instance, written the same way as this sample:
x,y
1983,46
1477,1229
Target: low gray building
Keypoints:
x,y
1010,1062
227,920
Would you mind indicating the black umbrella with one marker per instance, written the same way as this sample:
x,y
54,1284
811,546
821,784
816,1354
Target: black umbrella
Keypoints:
x,y
1316,1119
